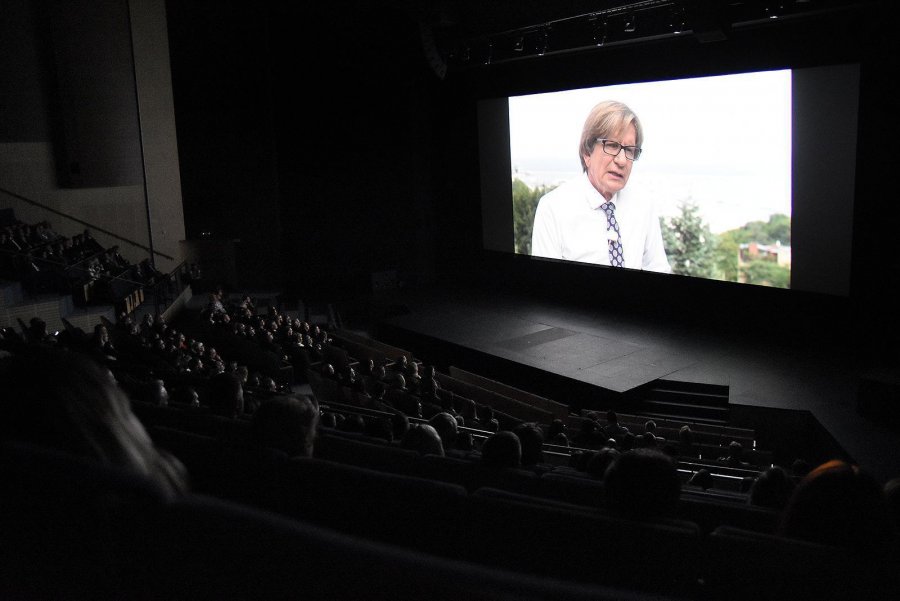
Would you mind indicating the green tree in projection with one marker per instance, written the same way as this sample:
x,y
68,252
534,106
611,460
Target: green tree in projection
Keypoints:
x,y
777,229
525,201
763,272
726,257
766,273
689,243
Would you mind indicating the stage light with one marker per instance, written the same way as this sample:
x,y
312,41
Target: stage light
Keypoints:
x,y
519,46
630,24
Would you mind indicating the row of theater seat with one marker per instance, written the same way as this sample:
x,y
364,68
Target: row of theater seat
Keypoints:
x,y
75,529
559,484
189,431
502,528
512,405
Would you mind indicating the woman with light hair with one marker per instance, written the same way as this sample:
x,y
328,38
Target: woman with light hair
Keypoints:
x,y
64,400
592,218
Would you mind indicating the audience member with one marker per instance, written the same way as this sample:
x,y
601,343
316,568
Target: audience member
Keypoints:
x,y
702,478
531,439
772,488
735,456
101,344
186,396
64,400
465,444
839,504
286,423
423,439
469,411
650,434
502,449
447,427
328,420
225,395
686,444
155,393
399,424
600,461
642,484
557,426
613,429
37,332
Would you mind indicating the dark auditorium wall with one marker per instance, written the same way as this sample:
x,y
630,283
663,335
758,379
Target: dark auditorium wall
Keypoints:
x,y
69,94
221,77
305,131
355,101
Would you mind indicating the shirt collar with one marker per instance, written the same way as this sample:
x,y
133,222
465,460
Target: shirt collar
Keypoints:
x,y
594,198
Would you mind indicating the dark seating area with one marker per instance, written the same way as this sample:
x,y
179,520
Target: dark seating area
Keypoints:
x,y
369,489
47,262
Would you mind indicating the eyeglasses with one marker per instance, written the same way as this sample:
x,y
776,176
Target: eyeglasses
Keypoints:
x,y
611,147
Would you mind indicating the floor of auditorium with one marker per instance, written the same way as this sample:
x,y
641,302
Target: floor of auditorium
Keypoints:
x,y
616,351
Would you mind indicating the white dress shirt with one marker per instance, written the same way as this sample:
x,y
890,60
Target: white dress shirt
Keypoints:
x,y
569,224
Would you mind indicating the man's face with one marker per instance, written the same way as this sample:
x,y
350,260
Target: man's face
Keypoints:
x,y
609,174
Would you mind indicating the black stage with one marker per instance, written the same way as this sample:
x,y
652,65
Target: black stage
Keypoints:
x,y
596,358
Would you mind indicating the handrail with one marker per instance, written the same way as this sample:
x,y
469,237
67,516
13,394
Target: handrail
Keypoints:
x,y
85,223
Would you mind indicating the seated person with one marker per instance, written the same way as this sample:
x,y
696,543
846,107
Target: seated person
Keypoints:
x,y
447,427
155,393
650,434
612,428
686,445
839,504
225,395
600,461
735,456
531,438
64,400
772,488
423,439
502,450
642,484
286,423
557,426
703,479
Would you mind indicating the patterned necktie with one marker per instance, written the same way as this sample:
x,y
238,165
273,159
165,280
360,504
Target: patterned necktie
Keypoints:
x,y
616,258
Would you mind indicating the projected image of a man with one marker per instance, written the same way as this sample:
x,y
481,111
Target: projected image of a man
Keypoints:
x,y
592,218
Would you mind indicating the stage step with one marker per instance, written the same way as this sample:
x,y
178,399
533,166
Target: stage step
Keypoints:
x,y
713,395
691,401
